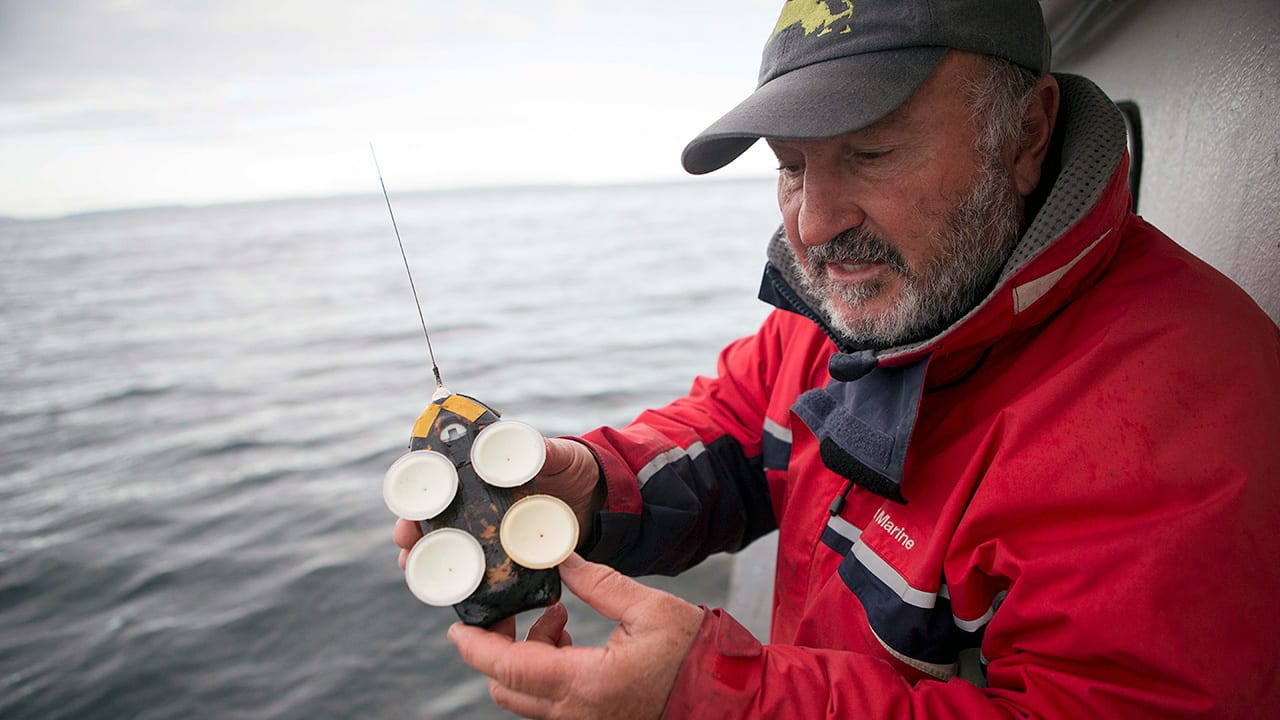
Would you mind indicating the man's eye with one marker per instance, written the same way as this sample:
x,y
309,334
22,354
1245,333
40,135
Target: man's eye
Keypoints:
x,y
789,169
869,155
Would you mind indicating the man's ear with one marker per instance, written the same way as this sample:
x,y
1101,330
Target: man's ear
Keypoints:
x,y
1037,131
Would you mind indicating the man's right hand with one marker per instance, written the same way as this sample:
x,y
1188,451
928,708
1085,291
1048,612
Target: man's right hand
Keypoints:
x,y
570,473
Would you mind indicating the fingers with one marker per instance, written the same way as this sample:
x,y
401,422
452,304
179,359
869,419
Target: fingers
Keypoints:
x,y
406,533
522,704
531,678
480,648
570,473
632,676
549,627
505,627
609,592
561,455
532,668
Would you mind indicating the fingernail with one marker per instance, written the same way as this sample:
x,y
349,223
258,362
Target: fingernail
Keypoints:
x,y
452,632
574,561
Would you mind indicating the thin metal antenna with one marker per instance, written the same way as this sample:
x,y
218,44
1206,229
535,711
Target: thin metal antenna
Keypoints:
x,y
404,256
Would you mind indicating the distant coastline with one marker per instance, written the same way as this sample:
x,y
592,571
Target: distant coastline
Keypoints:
x,y
419,192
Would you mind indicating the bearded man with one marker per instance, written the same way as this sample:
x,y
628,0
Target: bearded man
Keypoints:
x,y
1019,446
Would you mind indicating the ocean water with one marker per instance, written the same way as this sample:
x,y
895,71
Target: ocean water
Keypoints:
x,y
197,406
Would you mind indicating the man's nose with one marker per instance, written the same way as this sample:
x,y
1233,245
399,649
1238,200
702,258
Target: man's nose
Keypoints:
x,y
827,208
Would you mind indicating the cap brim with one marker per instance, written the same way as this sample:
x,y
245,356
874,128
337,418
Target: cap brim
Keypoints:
x,y
816,101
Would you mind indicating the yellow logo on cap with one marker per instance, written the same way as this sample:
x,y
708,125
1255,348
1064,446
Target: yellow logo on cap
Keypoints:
x,y
814,15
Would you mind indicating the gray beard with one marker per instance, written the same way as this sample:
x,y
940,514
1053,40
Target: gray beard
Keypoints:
x,y
972,246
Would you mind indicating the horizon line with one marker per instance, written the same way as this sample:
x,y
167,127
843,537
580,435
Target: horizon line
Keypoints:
x,y
443,190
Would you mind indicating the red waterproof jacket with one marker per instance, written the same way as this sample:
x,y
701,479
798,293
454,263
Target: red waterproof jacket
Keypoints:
x,y
1063,506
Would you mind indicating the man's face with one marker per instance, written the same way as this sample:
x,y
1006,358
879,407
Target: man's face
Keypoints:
x,y
901,227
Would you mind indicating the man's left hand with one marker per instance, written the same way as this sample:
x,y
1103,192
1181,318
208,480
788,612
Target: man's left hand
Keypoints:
x,y
546,677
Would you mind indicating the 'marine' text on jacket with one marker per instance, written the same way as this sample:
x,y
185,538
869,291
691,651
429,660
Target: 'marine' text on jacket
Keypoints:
x,y
897,532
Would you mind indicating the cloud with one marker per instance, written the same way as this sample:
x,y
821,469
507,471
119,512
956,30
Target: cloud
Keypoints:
x,y
465,92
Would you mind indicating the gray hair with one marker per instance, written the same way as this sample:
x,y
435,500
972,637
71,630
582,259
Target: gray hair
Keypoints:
x,y
997,99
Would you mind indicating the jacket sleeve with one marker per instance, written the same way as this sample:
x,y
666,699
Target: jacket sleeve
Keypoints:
x,y
686,480
730,674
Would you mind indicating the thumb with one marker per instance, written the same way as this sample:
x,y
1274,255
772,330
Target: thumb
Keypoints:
x,y
606,590
570,473
561,455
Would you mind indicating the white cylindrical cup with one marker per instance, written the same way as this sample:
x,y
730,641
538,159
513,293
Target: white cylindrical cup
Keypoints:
x,y
539,531
445,567
419,485
508,453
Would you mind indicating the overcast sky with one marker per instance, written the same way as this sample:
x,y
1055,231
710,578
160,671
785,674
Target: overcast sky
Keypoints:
x,y
124,103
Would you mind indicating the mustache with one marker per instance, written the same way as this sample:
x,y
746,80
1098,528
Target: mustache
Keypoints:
x,y
857,245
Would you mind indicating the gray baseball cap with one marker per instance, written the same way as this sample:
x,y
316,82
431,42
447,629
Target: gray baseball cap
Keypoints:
x,y
835,66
